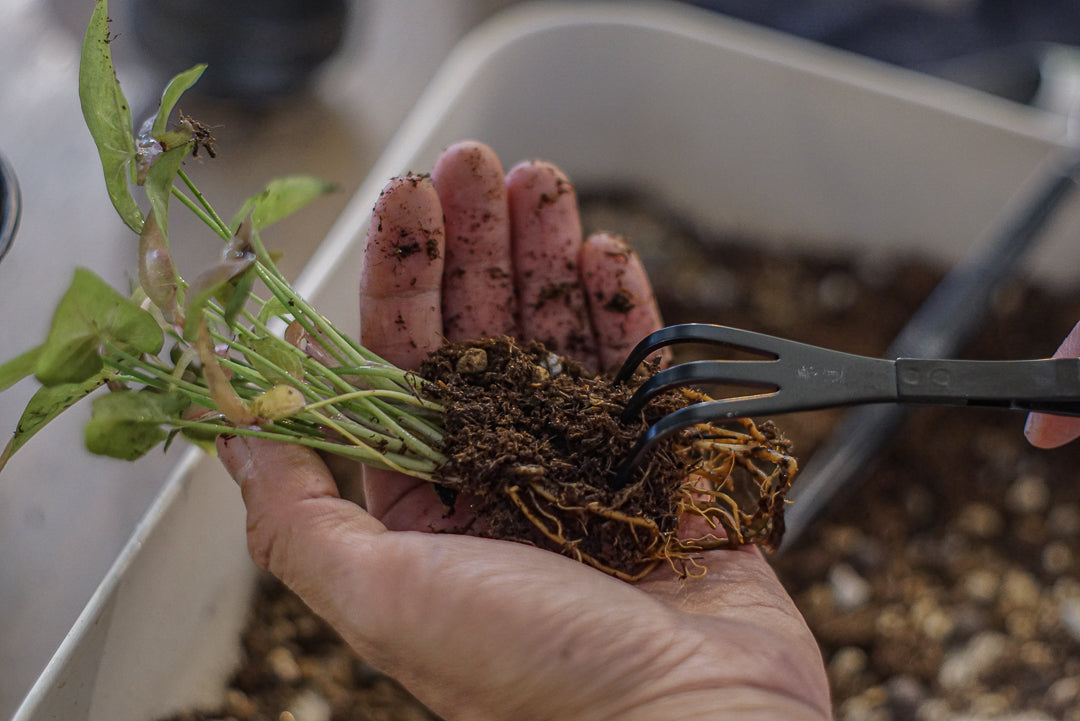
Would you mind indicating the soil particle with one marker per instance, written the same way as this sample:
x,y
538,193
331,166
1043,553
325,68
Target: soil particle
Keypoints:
x,y
472,360
325,680
622,302
432,248
404,250
556,292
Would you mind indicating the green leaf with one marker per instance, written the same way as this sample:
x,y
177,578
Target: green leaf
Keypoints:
x,y
48,403
281,197
176,87
91,313
107,115
234,295
18,368
215,282
203,439
281,357
127,424
274,308
159,183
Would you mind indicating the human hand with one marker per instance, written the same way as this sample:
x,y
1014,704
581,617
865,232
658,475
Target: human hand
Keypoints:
x,y
485,629
1049,431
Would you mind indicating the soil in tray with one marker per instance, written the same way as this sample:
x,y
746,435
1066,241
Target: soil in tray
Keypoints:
x,y
947,583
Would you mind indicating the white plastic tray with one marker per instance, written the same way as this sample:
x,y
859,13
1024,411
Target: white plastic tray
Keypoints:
x,y
738,127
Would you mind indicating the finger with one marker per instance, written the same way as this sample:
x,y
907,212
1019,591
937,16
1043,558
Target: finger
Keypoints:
x,y
401,273
401,319
546,243
478,288
1047,431
622,307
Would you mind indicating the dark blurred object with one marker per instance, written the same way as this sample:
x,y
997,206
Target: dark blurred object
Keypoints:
x,y
993,45
9,206
257,50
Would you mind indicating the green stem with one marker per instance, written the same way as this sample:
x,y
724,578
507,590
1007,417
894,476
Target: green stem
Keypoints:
x,y
416,467
393,395
151,374
376,433
199,212
433,432
316,384
215,221
348,352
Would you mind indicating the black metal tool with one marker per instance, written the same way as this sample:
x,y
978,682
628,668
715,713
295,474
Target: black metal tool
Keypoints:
x,y
940,328
790,376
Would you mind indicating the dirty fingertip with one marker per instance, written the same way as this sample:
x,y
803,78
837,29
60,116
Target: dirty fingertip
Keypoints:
x,y
478,292
467,155
546,247
405,223
401,272
622,306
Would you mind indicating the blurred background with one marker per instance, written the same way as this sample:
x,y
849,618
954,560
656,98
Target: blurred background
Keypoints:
x,y
319,87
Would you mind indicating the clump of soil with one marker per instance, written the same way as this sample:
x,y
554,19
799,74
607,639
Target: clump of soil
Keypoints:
x,y
536,442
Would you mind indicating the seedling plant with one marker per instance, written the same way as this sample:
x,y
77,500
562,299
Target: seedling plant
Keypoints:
x,y
236,350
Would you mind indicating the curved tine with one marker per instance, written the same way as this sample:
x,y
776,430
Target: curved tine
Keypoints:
x,y
700,413
754,373
699,333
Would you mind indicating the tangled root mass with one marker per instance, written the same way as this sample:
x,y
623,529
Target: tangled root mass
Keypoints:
x,y
534,441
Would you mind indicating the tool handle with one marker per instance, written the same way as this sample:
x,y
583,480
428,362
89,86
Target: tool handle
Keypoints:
x,y
1052,385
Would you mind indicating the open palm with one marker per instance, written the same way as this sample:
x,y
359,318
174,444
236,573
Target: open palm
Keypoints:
x,y
486,629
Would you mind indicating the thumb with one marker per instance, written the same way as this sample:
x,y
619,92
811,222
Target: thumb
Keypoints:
x,y
294,511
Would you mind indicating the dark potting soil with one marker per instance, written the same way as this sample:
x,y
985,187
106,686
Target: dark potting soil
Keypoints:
x,y
525,426
536,442
945,586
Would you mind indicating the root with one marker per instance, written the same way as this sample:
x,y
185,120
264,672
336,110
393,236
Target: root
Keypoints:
x,y
737,484
532,510
536,446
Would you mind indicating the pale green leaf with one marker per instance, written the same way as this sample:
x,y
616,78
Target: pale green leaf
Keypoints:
x,y
127,424
159,183
279,402
276,360
48,403
176,87
274,308
18,368
92,313
280,198
108,116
